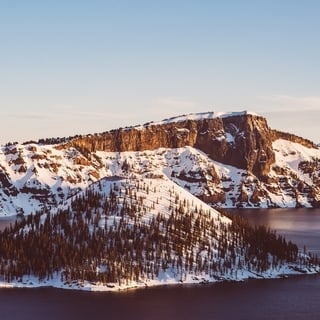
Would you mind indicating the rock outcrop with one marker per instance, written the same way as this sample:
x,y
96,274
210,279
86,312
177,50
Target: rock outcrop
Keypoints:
x,y
242,139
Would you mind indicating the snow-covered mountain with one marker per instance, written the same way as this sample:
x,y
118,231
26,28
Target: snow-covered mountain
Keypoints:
x,y
224,159
134,206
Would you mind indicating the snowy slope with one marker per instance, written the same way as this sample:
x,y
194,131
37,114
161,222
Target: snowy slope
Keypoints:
x,y
35,176
138,232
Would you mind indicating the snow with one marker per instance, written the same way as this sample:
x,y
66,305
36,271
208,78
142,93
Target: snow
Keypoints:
x,y
58,172
169,163
229,137
202,116
167,278
162,170
290,154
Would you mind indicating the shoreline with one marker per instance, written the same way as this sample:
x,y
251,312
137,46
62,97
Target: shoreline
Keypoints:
x,y
166,279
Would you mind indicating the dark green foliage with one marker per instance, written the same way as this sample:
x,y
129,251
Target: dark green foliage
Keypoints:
x,y
262,242
107,238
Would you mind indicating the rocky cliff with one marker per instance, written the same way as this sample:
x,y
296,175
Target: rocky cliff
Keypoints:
x,y
240,139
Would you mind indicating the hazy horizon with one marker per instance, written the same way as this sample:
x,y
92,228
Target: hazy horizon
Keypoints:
x,y
81,67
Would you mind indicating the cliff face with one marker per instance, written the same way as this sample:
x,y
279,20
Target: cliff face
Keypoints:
x,y
241,141
244,140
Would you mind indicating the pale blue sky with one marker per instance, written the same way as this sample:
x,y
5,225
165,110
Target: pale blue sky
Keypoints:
x,y
72,66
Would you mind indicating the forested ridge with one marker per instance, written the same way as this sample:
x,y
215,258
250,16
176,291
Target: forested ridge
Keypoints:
x,y
133,230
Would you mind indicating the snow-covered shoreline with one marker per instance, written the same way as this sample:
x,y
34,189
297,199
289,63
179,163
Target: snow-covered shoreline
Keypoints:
x,y
165,279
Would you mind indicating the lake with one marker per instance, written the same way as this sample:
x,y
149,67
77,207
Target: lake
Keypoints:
x,y
301,226
290,298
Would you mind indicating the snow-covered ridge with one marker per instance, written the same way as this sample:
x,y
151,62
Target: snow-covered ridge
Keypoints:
x,y
176,119
33,176
200,116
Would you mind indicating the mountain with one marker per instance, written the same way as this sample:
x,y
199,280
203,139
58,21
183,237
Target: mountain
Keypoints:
x,y
225,159
135,232
134,206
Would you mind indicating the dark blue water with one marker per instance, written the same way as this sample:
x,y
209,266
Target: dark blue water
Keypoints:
x,y
291,298
301,226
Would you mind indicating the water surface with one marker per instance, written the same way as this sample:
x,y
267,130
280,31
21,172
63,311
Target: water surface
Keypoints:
x,y
301,226
291,298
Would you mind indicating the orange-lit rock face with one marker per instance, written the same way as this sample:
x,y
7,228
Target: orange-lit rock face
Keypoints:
x,y
243,141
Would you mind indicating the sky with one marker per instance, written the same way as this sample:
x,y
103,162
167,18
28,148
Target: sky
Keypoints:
x,y
77,67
